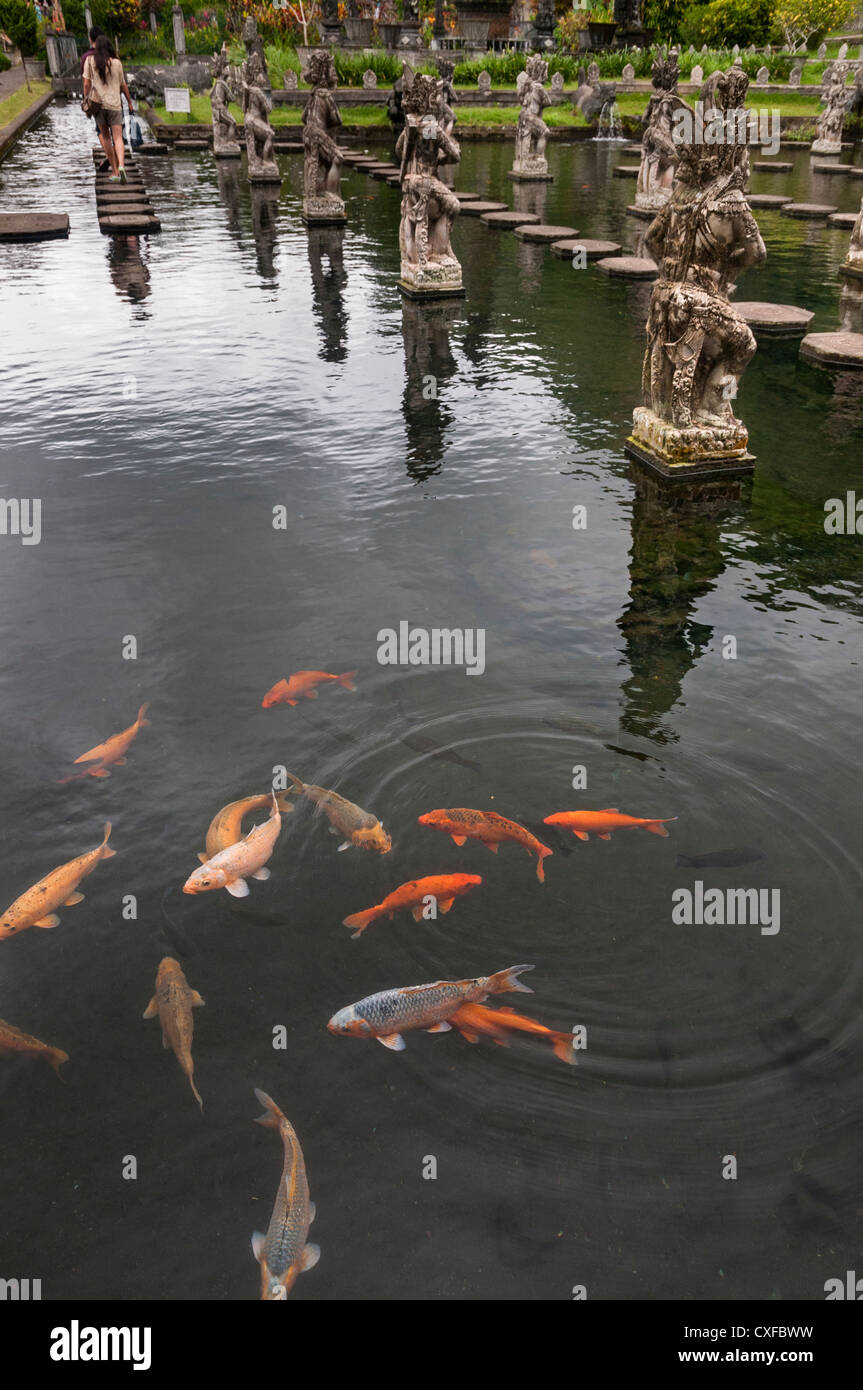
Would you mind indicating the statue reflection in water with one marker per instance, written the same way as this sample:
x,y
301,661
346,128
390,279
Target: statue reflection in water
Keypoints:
x,y
228,177
129,271
429,365
265,216
326,244
675,560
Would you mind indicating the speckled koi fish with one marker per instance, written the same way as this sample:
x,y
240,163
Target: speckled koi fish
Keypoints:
x,y
36,907
226,827
228,868
358,827
113,751
487,826
444,888
174,1002
284,1252
302,685
387,1015
14,1043
601,823
476,1020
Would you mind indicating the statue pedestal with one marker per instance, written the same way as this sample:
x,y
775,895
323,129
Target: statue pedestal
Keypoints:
x,y
431,282
691,451
229,150
265,176
324,212
826,147
530,171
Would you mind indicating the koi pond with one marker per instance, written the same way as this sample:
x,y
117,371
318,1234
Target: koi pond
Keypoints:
x,y
254,458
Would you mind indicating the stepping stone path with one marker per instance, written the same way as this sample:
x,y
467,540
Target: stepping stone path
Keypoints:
x,y
154,147
772,166
842,219
774,320
629,171
386,172
469,197
593,250
544,233
811,211
124,208
629,267
834,349
507,221
191,144
476,208
794,144
632,149
33,226
824,167
768,200
646,214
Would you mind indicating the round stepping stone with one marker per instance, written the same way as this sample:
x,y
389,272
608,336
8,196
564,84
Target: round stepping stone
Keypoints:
x,y
154,147
593,250
191,144
469,197
386,172
767,200
629,267
808,210
544,233
772,166
834,349
626,171
126,210
394,181
855,171
33,226
646,214
506,221
824,167
130,223
478,207
842,219
632,149
774,320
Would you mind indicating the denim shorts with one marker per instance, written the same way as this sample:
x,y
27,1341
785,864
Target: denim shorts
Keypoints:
x,y
107,117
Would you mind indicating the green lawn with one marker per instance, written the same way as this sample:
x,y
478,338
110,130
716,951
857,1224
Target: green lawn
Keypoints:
x,y
372,115
789,104
21,100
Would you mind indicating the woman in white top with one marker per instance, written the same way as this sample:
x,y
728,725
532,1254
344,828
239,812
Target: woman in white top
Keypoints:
x,y
105,81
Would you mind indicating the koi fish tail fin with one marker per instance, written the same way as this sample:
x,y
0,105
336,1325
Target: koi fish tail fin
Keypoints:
x,y
347,680
563,1048
141,721
106,852
272,1116
506,980
543,853
57,1057
657,827
360,920
196,1094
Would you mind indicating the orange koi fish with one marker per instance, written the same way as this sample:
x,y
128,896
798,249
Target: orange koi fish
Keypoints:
x,y
302,685
445,888
174,1002
36,907
601,823
13,1042
488,827
387,1015
226,827
358,827
113,750
228,868
284,1252
472,1020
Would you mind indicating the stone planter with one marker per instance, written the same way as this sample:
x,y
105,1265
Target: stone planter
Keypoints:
x,y
33,69
390,34
474,32
497,14
359,31
601,35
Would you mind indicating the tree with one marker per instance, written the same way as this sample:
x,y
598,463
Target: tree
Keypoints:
x,y
18,20
799,20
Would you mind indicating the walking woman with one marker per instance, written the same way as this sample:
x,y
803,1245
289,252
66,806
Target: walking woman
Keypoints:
x,y
105,81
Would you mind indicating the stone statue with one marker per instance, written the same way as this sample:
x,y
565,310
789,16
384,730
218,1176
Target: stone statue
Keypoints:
x,y
446,95
532,132
829,125
322,162
253,43
854,259
395,114
697,343
429,208
257,105
659,151
225,134
330,18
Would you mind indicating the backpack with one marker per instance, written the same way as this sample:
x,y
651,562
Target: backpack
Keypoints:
x,y
136,132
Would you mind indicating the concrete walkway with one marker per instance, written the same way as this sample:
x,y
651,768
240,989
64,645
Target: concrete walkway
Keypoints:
x,y
10,81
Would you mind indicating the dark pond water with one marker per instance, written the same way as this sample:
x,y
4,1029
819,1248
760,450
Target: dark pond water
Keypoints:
x,y
162,397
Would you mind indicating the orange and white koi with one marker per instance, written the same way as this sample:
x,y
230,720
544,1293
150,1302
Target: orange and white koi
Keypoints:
x,y
13,1043
285,1252
444,888
490,828
112,752
476,1020
359,827
36,907
302,685
174,1002
228,869
601,823
226,827
387,1015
